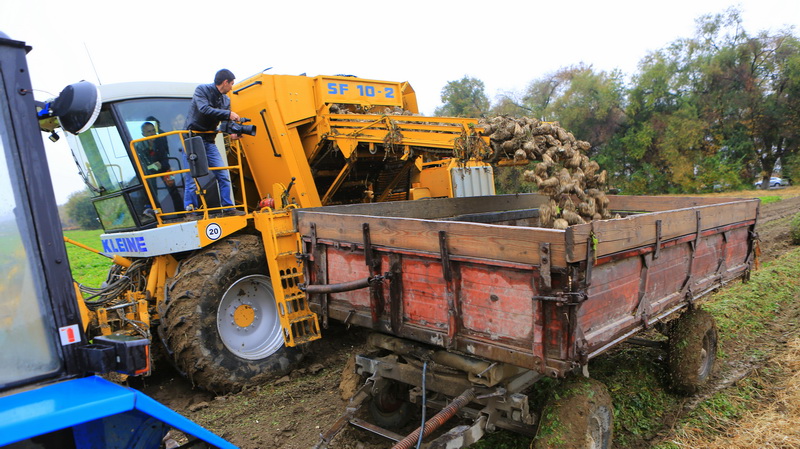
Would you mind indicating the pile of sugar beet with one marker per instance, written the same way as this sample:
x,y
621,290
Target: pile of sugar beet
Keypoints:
x,y
562,170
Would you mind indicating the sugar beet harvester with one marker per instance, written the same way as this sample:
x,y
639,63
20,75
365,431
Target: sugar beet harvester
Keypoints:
x,y
221,291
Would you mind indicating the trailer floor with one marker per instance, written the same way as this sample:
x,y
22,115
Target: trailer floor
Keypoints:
x,y
292,412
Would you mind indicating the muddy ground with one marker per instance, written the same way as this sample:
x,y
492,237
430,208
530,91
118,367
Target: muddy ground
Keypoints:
x,y
291,412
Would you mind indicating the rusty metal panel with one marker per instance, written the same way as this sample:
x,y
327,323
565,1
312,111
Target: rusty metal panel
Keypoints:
x,y
424,300
667,275
344,266
612,298
496,305
707,258
737,251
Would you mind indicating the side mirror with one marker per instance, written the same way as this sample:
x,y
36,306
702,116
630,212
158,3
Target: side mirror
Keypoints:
x,y
77,106
196,154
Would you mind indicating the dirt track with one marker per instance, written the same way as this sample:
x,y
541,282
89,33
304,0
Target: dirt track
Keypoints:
x,y
773,227
291,412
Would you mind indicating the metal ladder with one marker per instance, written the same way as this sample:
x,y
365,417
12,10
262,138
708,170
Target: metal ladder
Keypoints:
x,y
282,244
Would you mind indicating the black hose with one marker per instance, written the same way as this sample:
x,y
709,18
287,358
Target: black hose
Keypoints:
x,y
322,289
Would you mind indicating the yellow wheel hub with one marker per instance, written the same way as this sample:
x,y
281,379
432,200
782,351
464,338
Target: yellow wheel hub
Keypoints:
x,y
244,315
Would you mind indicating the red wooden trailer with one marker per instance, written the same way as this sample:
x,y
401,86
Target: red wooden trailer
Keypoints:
x,y
474,285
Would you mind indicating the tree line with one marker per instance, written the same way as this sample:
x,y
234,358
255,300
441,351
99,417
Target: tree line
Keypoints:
x,y
712,112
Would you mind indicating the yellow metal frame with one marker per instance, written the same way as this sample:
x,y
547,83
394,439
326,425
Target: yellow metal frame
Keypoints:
x,y
204,209
294,122
135,305
282,244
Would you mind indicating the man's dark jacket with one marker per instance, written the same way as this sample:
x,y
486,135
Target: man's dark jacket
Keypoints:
x,y
208,108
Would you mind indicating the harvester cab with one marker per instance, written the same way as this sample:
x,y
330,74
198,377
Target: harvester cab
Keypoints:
x,y
48,395
131,157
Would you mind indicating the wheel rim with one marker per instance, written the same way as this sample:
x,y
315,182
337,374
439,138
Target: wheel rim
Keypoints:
x,y
247,318
597,430
595,436
388,400
706,356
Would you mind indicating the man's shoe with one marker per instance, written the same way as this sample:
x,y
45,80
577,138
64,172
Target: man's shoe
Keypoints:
x,y
232,213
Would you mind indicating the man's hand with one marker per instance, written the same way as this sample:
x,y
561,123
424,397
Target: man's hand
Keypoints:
x,y
168,180
155,166
234,116
235,137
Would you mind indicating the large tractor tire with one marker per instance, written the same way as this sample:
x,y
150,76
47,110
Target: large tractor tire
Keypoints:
x,y
692,350
579,415
220,321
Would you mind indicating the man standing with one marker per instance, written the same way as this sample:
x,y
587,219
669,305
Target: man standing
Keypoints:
x,y
209,106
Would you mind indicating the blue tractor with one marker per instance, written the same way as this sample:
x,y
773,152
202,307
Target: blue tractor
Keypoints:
x,y
50,394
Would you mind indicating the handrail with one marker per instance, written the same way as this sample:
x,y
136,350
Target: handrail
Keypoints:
x,y
237,150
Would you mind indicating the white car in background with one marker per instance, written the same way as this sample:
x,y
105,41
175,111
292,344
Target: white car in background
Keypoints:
x,y
774,182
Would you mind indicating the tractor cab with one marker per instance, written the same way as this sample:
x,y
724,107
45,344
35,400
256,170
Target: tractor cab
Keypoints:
x,y
49,397
151,116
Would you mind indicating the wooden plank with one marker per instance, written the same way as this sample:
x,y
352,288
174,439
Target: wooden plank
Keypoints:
x,y
640,230
436,208
483,241
663,203
499,243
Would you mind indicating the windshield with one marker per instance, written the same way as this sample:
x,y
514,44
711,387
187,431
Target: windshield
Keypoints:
x,y
103,156
148,118
27,333
102,152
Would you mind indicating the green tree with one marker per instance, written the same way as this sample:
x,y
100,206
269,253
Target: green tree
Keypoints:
x,y
750,87
790,167
508,105
80,210
586,102
662,144
710,111
464,98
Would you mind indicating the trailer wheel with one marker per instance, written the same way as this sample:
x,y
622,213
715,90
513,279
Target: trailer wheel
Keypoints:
x,y
579,415
389,408
692,350
220,321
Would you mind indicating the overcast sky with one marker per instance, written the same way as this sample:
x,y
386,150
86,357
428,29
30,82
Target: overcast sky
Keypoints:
x,y
506,44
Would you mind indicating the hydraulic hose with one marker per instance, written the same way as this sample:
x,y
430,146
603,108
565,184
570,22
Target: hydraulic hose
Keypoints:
x,y
322,289
437,420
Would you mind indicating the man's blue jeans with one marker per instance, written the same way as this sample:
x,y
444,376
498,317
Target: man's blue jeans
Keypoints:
x,y
223,179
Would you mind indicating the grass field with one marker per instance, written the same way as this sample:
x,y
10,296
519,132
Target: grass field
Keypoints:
x,y
88,268
767,196
760,410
